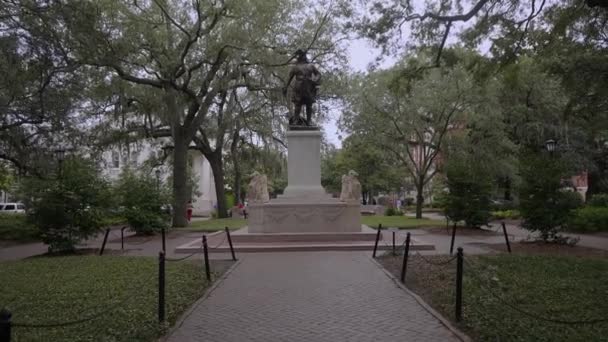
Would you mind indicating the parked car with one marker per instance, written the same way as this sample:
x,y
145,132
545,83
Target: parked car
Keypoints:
x,y
13,208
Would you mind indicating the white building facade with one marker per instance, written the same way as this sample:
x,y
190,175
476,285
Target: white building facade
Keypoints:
x,y
135,155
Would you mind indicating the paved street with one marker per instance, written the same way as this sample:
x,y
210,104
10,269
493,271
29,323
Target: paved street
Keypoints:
x,y
318,296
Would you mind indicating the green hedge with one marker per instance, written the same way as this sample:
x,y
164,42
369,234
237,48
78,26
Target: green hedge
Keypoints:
x,y
599,200
14,227
589,219
506,214
393,212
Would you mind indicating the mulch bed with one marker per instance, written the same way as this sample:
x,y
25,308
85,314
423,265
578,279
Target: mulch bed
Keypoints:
x,y
543,248
425,279
462,231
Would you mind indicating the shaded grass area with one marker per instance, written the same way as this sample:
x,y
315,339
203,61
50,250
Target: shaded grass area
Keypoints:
x,y
14,227
123,289
400,222
550,287
372,221
217,224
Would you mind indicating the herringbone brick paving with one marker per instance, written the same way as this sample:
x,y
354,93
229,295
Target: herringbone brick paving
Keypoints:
x,y
320,296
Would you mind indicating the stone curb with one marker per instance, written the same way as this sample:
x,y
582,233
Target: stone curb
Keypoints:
x,y
196,304
462,336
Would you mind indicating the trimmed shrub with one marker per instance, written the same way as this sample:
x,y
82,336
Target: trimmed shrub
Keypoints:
x,y
599,200
15,227
589,219
69,209
142,202
506,214
469,189
545,207
390,212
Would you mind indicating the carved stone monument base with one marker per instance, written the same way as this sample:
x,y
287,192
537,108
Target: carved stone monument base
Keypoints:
x,y
279,216
304,207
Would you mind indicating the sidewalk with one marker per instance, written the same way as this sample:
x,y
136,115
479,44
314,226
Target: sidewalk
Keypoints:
x,y
320,296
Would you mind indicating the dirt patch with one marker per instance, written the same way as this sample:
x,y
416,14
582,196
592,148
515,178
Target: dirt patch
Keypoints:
x,y
462,231
79,251
543,248
431,277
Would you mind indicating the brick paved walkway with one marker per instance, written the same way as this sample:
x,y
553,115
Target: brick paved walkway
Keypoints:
x,y
320,296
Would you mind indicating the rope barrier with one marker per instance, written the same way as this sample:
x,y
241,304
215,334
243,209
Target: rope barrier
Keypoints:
x,y
74,322
181,259
219,244
527,313
186,257
434,263
191,255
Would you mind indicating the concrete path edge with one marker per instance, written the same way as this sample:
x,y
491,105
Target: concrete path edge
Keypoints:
x,y
198,302
462,336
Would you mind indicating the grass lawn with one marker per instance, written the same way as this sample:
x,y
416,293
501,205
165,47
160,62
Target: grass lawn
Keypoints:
x,y
13,227
217,224
372,221
555,287
59,289
400,222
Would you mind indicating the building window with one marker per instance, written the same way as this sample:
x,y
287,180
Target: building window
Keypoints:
x,y
115,160
134,156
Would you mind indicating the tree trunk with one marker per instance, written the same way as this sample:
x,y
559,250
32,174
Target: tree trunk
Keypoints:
x,y
237,170
181,193
419,199
215,161
237,183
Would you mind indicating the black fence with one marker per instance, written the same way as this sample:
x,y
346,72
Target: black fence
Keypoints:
x,y
6,317
473,272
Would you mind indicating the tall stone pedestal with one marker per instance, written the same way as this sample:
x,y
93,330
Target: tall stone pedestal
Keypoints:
x,y
304,207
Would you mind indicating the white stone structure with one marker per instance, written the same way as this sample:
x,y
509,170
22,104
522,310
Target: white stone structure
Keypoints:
x,y
114,160
304,207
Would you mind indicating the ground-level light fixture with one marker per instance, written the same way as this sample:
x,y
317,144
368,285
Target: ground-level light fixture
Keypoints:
x,y
550,145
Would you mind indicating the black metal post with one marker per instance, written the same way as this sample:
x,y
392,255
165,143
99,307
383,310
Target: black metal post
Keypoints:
x,y
5,325
453,238
394,252
122,237
162,231
405,256
245,214
504,230
230,243
161,287
459,265
377,239
206,255
105,239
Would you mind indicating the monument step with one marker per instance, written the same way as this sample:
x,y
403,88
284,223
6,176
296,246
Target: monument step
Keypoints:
x,y
243,236
299,247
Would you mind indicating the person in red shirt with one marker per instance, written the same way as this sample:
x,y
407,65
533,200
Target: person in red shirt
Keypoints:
x,y
189,211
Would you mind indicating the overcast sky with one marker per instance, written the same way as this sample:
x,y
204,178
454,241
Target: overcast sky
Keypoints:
x,y
360,53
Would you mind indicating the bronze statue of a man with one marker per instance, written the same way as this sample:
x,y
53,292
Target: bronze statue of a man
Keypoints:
x,y
305,88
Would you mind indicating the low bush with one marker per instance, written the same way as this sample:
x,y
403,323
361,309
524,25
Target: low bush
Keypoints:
x,y
69,208
506,214
599,200
14,227
589,219
142,201
390,212
545,206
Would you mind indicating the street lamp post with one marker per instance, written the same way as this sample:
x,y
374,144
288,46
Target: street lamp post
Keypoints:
x,y
157,172
550,145
60,156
